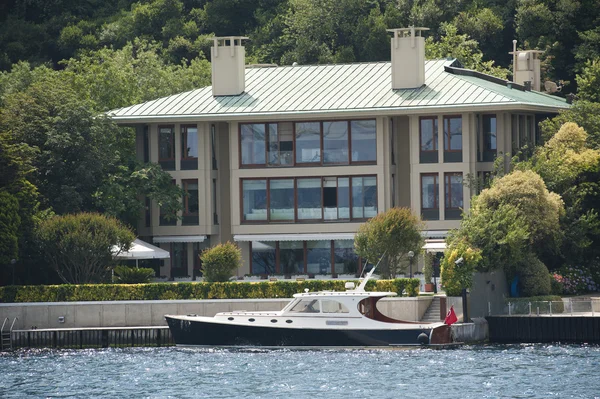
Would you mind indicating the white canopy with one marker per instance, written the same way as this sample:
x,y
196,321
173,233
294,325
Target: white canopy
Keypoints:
x,y
434,246
142,250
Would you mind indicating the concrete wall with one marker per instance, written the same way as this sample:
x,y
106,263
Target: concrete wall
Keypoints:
x,y
151,313
487,288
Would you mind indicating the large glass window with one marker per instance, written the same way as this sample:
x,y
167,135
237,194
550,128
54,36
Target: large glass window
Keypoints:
x,y
190,202
281,199
263,257
166,147
179,265
308,142
318,257
364,142
167,218
429,196
309,199
454,195
281,144
364,197
335,142
489,137
346,260
189,142
291,257
313,143
428,139
253,144
453,133
254,194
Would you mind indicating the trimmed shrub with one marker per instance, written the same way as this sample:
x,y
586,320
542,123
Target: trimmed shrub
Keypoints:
x,y
217,290
534,277
220,261
130,275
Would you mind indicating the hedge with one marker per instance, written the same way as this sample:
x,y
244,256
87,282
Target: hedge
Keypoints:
x,y
229,290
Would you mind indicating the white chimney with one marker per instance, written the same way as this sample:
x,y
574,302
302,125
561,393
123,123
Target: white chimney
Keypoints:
x,y
408,58
228,66
526,67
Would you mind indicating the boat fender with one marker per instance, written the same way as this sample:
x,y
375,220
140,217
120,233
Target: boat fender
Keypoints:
x,y
423,339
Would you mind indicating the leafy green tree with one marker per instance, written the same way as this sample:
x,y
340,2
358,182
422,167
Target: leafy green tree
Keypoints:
x,y
391,235
457,273
9,228
80,247
220,261
588,82
585,114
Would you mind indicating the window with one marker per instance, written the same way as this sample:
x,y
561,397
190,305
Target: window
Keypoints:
x,y
429,197
364,197
345,259
318,257
291,257
189,147
252,142
306,306
254,198
452,139
190,202
330,306
364,142
335,142
309,199
281,144
489,138
428,139
454,195
392,142
166,147
336,193
308,142
263,257
179,260
281,199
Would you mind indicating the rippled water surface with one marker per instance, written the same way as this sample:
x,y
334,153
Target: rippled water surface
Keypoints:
x,y
531,371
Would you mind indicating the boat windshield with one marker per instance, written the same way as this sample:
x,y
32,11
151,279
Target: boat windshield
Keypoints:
x,y
305,306
329,306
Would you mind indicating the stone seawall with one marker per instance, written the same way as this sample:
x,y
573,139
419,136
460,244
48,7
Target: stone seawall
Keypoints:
x,y
151,313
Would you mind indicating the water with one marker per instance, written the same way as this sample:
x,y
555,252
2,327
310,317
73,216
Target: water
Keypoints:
x,y
518,371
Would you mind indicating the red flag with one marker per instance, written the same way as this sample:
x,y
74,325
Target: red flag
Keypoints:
x,y
451,317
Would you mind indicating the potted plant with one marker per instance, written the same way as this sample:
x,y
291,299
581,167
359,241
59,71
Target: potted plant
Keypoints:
x,y
428,271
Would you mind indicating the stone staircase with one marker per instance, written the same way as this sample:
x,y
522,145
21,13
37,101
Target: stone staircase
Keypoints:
x,y
432,314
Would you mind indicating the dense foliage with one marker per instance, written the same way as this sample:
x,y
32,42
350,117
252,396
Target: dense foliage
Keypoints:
x,y
390,236
234,290
80,247
220,261
132,275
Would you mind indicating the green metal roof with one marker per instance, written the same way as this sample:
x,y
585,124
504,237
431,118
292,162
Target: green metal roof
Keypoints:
x,y
341,88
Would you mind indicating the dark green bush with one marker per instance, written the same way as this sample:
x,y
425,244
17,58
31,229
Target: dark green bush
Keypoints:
x,y
219,290
130,275
534,277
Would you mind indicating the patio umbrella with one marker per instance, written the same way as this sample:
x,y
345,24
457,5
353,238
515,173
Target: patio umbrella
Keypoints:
x,y
142,250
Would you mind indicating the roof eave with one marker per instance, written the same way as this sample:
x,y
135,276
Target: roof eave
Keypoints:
x,y
366,112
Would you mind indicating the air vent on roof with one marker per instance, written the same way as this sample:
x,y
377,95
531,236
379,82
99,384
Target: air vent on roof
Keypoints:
x,y
408,58
228,59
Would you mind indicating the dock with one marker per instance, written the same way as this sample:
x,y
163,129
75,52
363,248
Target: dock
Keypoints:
x,y
96,337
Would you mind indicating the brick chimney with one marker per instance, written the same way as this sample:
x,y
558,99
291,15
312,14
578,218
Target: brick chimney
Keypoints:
x,y
228,58
408,58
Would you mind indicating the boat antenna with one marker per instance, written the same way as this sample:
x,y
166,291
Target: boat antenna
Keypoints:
x,y
362,285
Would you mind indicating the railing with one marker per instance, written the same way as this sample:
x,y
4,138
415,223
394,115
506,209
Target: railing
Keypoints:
x,y
566,307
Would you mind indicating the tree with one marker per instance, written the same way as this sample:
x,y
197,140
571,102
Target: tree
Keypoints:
x,y
457,274
585,114
9,228
220,261
588,82
391,235
81,247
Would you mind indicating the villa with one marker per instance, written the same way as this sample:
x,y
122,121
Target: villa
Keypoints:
x,y
288,161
